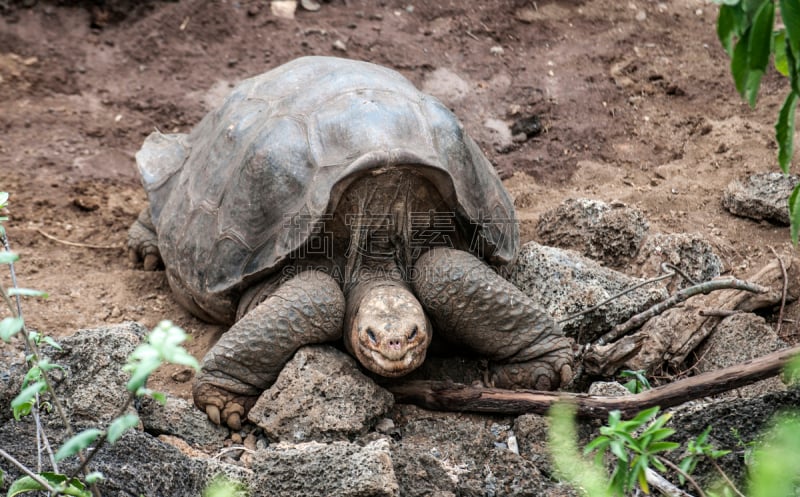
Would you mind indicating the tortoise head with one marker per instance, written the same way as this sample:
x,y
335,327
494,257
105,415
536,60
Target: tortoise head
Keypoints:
x,y
386,328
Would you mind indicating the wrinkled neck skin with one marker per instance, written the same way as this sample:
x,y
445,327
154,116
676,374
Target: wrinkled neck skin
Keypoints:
x,y
385,326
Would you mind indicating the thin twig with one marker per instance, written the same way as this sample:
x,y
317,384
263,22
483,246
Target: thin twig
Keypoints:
x,y
7,248
682,473
663,485
719,313
680,296
725,477
78,244
616,296
38,479
783,293
45,440
669,271
32,348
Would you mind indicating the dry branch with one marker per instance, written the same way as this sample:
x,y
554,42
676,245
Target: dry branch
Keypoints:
x,y
447,396
668,338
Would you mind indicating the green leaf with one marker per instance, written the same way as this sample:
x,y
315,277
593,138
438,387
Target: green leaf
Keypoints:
x,y
72,487
27,292
750,7
752,85
598,443
739,66
120,425
159,397
727,27
781,61
22,403
8,257
94,477
760,42
784,131
618,449
794,213
77,443
10,327
3,199
49,341
790,13
23,485
140,374
662,446
642,476
643,416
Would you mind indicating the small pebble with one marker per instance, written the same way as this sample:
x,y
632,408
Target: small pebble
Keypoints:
x,y
385,425
339,45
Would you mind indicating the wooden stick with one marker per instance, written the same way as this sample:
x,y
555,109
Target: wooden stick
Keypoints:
x,y
78,244
448,396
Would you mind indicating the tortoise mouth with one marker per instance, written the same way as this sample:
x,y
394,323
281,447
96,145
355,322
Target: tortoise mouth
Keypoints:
x,y
394,365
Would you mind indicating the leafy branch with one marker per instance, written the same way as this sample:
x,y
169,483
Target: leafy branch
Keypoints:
x,y
162,345
750,32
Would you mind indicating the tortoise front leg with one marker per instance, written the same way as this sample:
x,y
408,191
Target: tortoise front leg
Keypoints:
x,y
307,309
143,242
472,305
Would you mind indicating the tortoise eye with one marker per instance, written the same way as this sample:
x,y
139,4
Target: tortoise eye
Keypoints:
x,y
371,335
413,332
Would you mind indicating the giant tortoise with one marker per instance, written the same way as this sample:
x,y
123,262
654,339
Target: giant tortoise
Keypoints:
x,y
329,199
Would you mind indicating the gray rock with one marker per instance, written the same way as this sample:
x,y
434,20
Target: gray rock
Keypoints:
x,y
532,433
92,383
690,252
137,464
737,339
12,372
611,233
608,389
761,196
320,395
565,283
339,469
447,454
181,419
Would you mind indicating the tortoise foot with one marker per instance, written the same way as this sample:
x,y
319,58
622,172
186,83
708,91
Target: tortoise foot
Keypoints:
x,y
143,243
222,406
546,372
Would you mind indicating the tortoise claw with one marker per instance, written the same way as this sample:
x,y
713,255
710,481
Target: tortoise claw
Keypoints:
x,y
151,262
234,422
213,414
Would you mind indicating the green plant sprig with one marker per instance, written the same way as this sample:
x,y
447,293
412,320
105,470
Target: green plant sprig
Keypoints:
x,y
752,31
162,345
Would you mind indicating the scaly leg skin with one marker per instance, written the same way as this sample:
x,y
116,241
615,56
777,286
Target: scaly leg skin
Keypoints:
x,y
307,309
143,242
473,306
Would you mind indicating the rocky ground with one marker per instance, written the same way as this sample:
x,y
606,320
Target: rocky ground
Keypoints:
x,y
626,104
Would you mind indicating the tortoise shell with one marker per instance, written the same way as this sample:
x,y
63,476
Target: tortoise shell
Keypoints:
x,y
233,198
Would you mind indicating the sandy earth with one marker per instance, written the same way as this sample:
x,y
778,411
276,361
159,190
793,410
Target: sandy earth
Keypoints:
x,y
634,98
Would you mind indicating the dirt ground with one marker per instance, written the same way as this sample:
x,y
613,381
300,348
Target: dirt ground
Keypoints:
x,y
634,97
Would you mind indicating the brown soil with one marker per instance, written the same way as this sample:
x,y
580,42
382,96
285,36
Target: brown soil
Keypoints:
x,y
635,99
